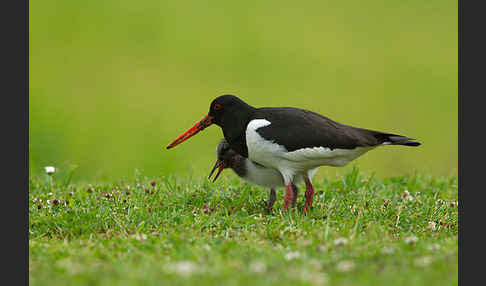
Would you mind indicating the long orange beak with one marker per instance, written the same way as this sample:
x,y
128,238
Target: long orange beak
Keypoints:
x,y
205,122
220,165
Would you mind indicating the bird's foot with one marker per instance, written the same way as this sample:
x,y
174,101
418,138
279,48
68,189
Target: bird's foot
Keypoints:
x,y
289,195
309,196
267,205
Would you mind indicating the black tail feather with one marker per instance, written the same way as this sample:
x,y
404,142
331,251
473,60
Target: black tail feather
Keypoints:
x,y
394,139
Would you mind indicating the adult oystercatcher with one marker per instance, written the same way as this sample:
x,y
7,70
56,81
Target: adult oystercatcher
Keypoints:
x,y
291,140
252,172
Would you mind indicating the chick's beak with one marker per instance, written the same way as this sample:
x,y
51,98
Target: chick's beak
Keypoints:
x,y
220,165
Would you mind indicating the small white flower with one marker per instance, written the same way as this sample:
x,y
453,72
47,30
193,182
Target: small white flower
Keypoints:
x,y
206,247
345,266
140,237
387,250
411,239
406,196
258,267
292,255
341,241
423,261
431,225
312,277
50,170
321,248
433,246
183,267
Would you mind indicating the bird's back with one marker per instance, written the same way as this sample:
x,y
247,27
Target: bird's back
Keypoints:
x,y
296,128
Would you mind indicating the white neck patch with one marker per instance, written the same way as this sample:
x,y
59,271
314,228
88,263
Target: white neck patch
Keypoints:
x,y
256,124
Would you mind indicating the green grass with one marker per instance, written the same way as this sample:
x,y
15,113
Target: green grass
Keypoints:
x,y
360,231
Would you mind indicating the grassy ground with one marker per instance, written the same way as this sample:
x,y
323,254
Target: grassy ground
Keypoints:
x,y
171,231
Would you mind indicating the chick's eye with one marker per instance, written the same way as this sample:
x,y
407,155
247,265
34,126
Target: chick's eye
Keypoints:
x,y
217,106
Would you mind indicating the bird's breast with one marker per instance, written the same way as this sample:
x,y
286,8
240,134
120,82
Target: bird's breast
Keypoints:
x,y
262,176
261,150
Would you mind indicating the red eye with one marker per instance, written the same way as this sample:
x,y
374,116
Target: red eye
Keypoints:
x,y
217,106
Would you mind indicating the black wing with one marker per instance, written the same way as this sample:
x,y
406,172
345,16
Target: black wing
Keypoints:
x,y
296,128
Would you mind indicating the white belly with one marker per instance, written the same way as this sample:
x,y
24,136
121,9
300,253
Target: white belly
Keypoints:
x,y
269,177
262,176
297,162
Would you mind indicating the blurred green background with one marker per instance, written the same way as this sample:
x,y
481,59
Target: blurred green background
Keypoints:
x,y
113,82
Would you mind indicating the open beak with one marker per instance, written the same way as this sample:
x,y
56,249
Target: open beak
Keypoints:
x,y
220,165
205,122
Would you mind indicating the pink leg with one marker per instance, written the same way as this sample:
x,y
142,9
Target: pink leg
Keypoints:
x,y
288,196
309,195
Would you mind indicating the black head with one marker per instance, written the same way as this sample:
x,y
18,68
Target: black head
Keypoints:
x,y
225,109
225,153
228,112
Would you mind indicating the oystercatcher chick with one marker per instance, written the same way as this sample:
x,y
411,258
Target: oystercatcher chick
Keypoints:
x,y
252,172
291,140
